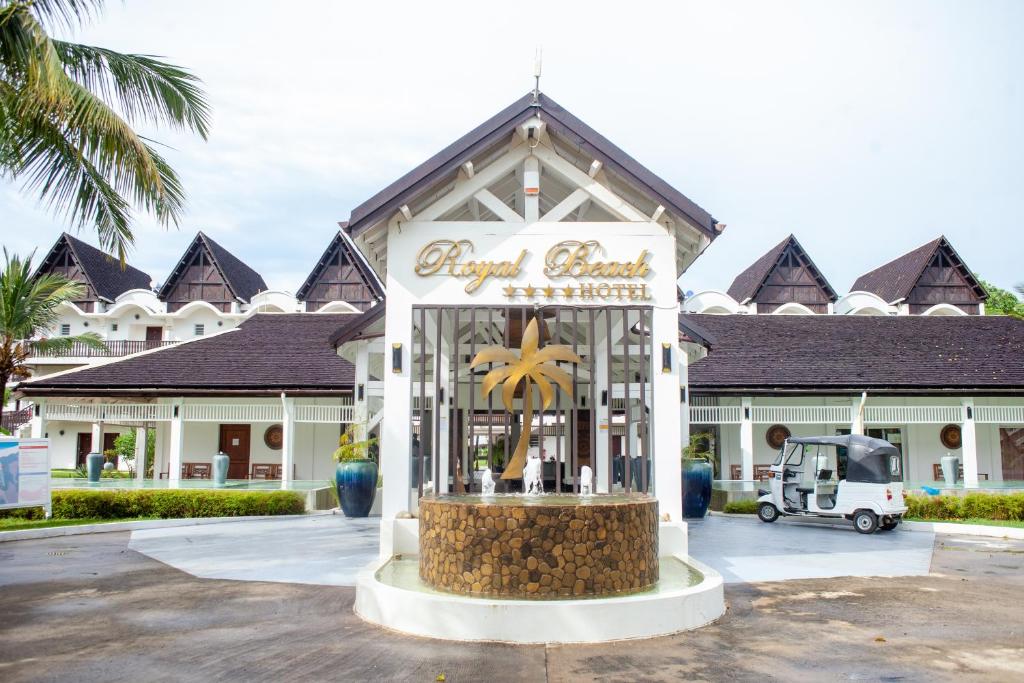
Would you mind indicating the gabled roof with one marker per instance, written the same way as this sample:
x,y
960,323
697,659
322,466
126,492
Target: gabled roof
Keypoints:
x,y
342,242
278,352
103,271
767,354
894,280
243,281
388,200
748,283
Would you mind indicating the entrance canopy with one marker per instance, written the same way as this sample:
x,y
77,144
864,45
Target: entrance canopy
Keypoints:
x,y
574,174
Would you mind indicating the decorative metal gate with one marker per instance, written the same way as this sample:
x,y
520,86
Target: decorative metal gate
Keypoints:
x,y
595,412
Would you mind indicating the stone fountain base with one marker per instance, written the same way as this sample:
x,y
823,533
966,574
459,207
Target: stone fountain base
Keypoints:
x,y
539,547
390,594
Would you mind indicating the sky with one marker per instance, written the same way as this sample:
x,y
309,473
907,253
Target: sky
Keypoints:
x,y
864,128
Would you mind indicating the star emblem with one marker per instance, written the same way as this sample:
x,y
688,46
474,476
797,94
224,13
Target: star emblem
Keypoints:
x,y
529,291
568,291
549,291
510,291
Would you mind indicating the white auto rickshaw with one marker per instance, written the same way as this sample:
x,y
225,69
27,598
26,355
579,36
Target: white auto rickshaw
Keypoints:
x,y
851,477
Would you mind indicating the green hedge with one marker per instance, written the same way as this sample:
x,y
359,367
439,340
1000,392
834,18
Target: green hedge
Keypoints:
x,y
993,506
741,507
168,503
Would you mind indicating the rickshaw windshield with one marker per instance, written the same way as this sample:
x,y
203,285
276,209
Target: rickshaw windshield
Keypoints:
x,y
792,454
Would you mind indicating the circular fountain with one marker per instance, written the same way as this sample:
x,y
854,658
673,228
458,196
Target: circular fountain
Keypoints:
x,y
548,568
539,547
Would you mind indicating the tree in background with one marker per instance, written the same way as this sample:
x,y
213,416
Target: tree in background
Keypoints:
x,y
67,113
1003,302
29,307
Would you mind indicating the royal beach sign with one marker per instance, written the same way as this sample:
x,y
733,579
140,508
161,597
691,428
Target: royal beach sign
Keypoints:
x,y
578,262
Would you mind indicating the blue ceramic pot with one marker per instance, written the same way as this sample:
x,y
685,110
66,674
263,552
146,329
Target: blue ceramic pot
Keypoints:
x,y
220,469
696,488
356,482
94,466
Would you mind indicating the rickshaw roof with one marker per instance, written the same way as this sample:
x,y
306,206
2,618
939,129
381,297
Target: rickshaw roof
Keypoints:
x,y
857,444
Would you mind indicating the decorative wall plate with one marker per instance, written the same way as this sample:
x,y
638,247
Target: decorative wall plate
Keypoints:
x,y
950,436
777,435
274,437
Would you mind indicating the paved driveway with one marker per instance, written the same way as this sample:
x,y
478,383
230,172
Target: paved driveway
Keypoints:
x,y
330,550
748,550
324,549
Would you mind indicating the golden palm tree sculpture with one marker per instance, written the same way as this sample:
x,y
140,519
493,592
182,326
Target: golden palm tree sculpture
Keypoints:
x,y
530,366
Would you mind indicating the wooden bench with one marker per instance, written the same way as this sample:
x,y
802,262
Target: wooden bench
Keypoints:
x,y
265,471
761,472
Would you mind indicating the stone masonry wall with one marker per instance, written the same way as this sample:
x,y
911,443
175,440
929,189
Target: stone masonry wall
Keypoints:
x,y
539,551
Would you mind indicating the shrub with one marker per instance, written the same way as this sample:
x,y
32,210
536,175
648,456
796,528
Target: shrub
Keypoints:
x,y
741,507
173,503
971,506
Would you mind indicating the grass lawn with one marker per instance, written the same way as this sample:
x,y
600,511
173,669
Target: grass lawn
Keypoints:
x,y
984,522
16,524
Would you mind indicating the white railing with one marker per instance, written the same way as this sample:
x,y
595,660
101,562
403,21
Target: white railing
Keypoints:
x,y
999,414
801,414
342,414
211,412
108,412
912,414
704,415
137,412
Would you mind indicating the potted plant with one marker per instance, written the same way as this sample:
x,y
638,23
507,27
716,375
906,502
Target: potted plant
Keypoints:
x,y
697,472
355,477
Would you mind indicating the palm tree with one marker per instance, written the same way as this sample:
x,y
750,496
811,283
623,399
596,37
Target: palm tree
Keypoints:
x,y
29,306
530,367
66,117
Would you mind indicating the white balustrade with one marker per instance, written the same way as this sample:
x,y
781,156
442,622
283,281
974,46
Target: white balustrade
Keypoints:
x,y
107,412
801,414
912,414
342,414
213,412
703,415
999,414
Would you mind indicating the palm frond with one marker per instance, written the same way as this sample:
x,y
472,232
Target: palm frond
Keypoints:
x,y
145,88
52,344
66,13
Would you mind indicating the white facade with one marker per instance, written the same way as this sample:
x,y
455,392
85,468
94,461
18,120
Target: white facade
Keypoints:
x,y
912,423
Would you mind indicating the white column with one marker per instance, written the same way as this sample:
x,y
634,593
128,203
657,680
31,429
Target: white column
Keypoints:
x,y
97,437
746,439
396,427
37,428
969,443
684,393
856,416
162,432
140,454
665,416
176,441
359,405
444,436
601,412
287,441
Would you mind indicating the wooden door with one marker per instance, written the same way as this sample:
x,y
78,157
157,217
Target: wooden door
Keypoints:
x,y
84,446
154,335
234,442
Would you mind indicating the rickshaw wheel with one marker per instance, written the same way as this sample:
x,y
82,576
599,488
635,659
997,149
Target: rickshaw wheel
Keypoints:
x,y
865,521
767,512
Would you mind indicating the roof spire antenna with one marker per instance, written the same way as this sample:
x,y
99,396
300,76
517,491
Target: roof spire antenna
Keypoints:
x,y
538,57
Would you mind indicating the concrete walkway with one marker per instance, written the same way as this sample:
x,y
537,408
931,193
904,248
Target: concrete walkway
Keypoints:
x,y
325,549
747,550
331,549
